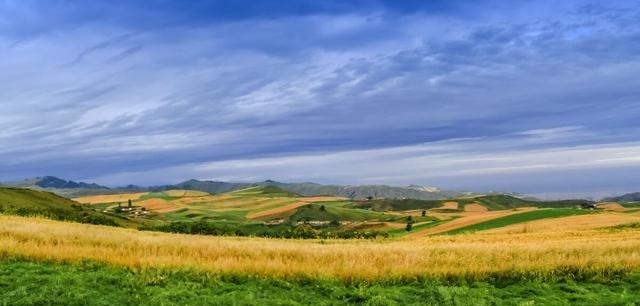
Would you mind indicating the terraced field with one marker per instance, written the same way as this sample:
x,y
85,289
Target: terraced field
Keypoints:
x,y
182,205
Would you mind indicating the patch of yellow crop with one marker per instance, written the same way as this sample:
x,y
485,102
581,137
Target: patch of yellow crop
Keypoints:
x,y
185,193
449,205
464,221
321,199
159,205
469,255
475,207
110,198
573,223
276,211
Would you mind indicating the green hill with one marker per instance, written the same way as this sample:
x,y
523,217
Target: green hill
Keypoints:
x,y
29,202
264,191
320,212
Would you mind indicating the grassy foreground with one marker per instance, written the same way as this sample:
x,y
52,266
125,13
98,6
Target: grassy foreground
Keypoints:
x,y
25,282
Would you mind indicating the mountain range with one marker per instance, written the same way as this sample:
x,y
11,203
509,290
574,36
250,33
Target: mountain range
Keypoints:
x,y
69,188
73,189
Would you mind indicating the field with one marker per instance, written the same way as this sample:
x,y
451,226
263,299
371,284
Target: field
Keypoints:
x,y
457,252
550,268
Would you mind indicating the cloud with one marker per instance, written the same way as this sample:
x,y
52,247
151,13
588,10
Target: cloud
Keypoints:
x,y
104,89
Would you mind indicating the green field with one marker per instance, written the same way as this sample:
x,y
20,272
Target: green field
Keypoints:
x,y
520,218
25,282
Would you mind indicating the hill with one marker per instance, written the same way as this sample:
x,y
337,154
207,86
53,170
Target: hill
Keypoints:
x,y
53,182
29,202
313,189
629,197
491,202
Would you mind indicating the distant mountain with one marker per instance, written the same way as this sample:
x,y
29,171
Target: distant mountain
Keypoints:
x,y
629,197
74,189
53,182
313,189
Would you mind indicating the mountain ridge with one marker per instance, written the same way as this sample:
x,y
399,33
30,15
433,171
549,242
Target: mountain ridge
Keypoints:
x,y
72,188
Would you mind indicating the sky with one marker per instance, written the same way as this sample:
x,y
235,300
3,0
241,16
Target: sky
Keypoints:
x,y
538,97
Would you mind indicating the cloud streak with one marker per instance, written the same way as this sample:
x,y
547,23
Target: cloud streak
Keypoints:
x,y
106,89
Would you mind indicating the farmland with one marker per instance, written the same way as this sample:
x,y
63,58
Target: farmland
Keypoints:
x,y
458,251
470,268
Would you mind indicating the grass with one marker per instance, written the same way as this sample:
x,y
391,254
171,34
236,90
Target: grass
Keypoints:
x,y
28,202
520,218
421,226
264,191
531,257
157,195
27,282
330,213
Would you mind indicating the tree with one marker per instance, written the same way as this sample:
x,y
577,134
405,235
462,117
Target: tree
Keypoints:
x,y
322,208
424,213
129,202
410,219
409,226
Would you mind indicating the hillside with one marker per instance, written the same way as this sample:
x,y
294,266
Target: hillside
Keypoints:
x,y
29,202
629,197
313,189
491,202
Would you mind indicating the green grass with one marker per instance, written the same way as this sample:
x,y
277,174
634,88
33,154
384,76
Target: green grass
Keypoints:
x,y
264,191
155,195
331,213
29,202
198,214
25,282
520,218
421,226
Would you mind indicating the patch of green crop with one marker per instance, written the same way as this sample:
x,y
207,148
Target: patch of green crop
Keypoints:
x,y
156,195
520,218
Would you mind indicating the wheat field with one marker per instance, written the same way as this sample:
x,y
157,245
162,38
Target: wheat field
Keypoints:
x,y
471,256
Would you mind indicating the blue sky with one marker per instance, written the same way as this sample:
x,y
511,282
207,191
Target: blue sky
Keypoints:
x,y
530,96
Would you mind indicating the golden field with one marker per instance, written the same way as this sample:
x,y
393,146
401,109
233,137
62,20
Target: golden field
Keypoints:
x,y
471,255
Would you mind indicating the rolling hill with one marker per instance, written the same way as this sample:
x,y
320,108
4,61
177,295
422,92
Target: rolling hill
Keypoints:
x,y
29,202
491,202
629,197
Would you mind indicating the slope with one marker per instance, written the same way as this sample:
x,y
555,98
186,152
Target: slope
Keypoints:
x,y
29,202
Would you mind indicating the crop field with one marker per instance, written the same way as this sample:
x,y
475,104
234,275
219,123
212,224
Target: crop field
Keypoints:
x,y
538,255
110,198
181,205
579,222
598,264
520,218
464,220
